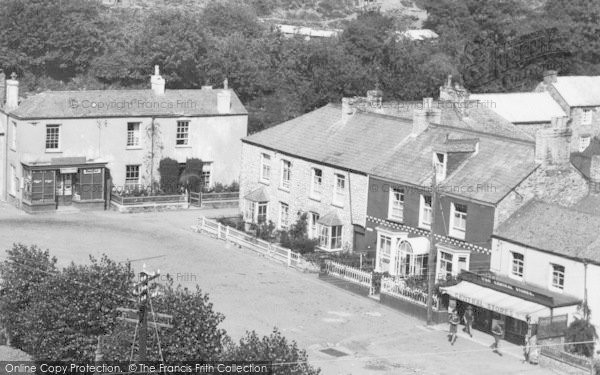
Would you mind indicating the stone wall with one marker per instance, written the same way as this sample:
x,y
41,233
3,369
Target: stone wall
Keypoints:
x,y
564,186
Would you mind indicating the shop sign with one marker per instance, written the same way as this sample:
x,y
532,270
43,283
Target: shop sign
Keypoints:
x,y
486,305
91,171
68,170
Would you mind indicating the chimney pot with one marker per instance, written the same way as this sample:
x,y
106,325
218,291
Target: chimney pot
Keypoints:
x,y
12,92
225,84
347,110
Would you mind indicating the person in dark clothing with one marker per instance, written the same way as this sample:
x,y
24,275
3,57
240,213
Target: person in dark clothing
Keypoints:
x,y
468,318
498,332
454,320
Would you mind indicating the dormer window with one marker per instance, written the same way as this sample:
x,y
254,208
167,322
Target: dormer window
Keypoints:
x,y
439,163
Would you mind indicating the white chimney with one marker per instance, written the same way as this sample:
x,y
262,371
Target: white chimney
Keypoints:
x,y
157,82
12,92
224,102
347,110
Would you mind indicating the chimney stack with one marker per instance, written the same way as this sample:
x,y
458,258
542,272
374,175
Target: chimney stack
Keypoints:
x,y
226,84
2,88
157,82
12,92
347,109
224,102
552,145
595,169
375,98
550,76
423,117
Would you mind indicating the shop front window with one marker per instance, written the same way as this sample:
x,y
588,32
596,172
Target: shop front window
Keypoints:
x,y
89,184
39,186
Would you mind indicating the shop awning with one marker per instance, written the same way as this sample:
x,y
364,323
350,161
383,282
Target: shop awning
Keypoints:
x,y
499,302
258,195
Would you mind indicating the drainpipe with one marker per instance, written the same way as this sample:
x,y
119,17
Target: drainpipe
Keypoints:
x,y
152,157
585,294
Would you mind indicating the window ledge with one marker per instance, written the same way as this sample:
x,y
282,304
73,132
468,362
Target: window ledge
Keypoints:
x,y
287,190
425,226
328,250
556,290
264,182
314,198
183,146
457,234
396,220
52,151
133,147
338,205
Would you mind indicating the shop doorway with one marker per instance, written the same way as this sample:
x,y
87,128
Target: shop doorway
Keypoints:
x,y
64,188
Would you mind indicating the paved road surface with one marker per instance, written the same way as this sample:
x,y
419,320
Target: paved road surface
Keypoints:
x,y
255,294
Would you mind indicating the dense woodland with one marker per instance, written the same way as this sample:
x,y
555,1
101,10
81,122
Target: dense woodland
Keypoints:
x,y
76,44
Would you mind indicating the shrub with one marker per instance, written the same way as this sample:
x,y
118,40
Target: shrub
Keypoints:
x,y
169,175
581,330
273,348
234,222
191,177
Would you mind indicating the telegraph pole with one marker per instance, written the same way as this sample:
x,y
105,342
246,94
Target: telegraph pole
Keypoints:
x,y
432,252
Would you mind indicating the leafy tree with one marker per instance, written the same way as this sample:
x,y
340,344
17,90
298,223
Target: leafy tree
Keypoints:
x,y
221,18
25,269
286,357
367,36
169,175
195,333
65,310
52,37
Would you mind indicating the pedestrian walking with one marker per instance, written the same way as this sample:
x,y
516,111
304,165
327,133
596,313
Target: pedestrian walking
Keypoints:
x,y
454,320
534,350
498,332
468,318
527,346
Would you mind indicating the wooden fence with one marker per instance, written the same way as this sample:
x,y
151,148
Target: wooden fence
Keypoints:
x,y
398,289
348,273
201,199
267,249
150,199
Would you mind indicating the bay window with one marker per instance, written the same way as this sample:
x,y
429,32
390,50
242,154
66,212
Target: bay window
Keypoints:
x,y
330,237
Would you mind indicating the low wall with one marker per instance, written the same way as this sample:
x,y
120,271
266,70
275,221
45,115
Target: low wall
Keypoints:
x,y
220,204
412,308
94,205
38,208
148,207
555,364
345,284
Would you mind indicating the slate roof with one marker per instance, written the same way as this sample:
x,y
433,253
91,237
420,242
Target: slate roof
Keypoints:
x,y
257,195
487,175
481,119
583,160
123,103
553,228
381,145
522,107
579,91
321,136
330,219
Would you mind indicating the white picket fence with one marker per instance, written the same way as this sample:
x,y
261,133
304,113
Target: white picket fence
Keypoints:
x,y
267,249
397,288
348,273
